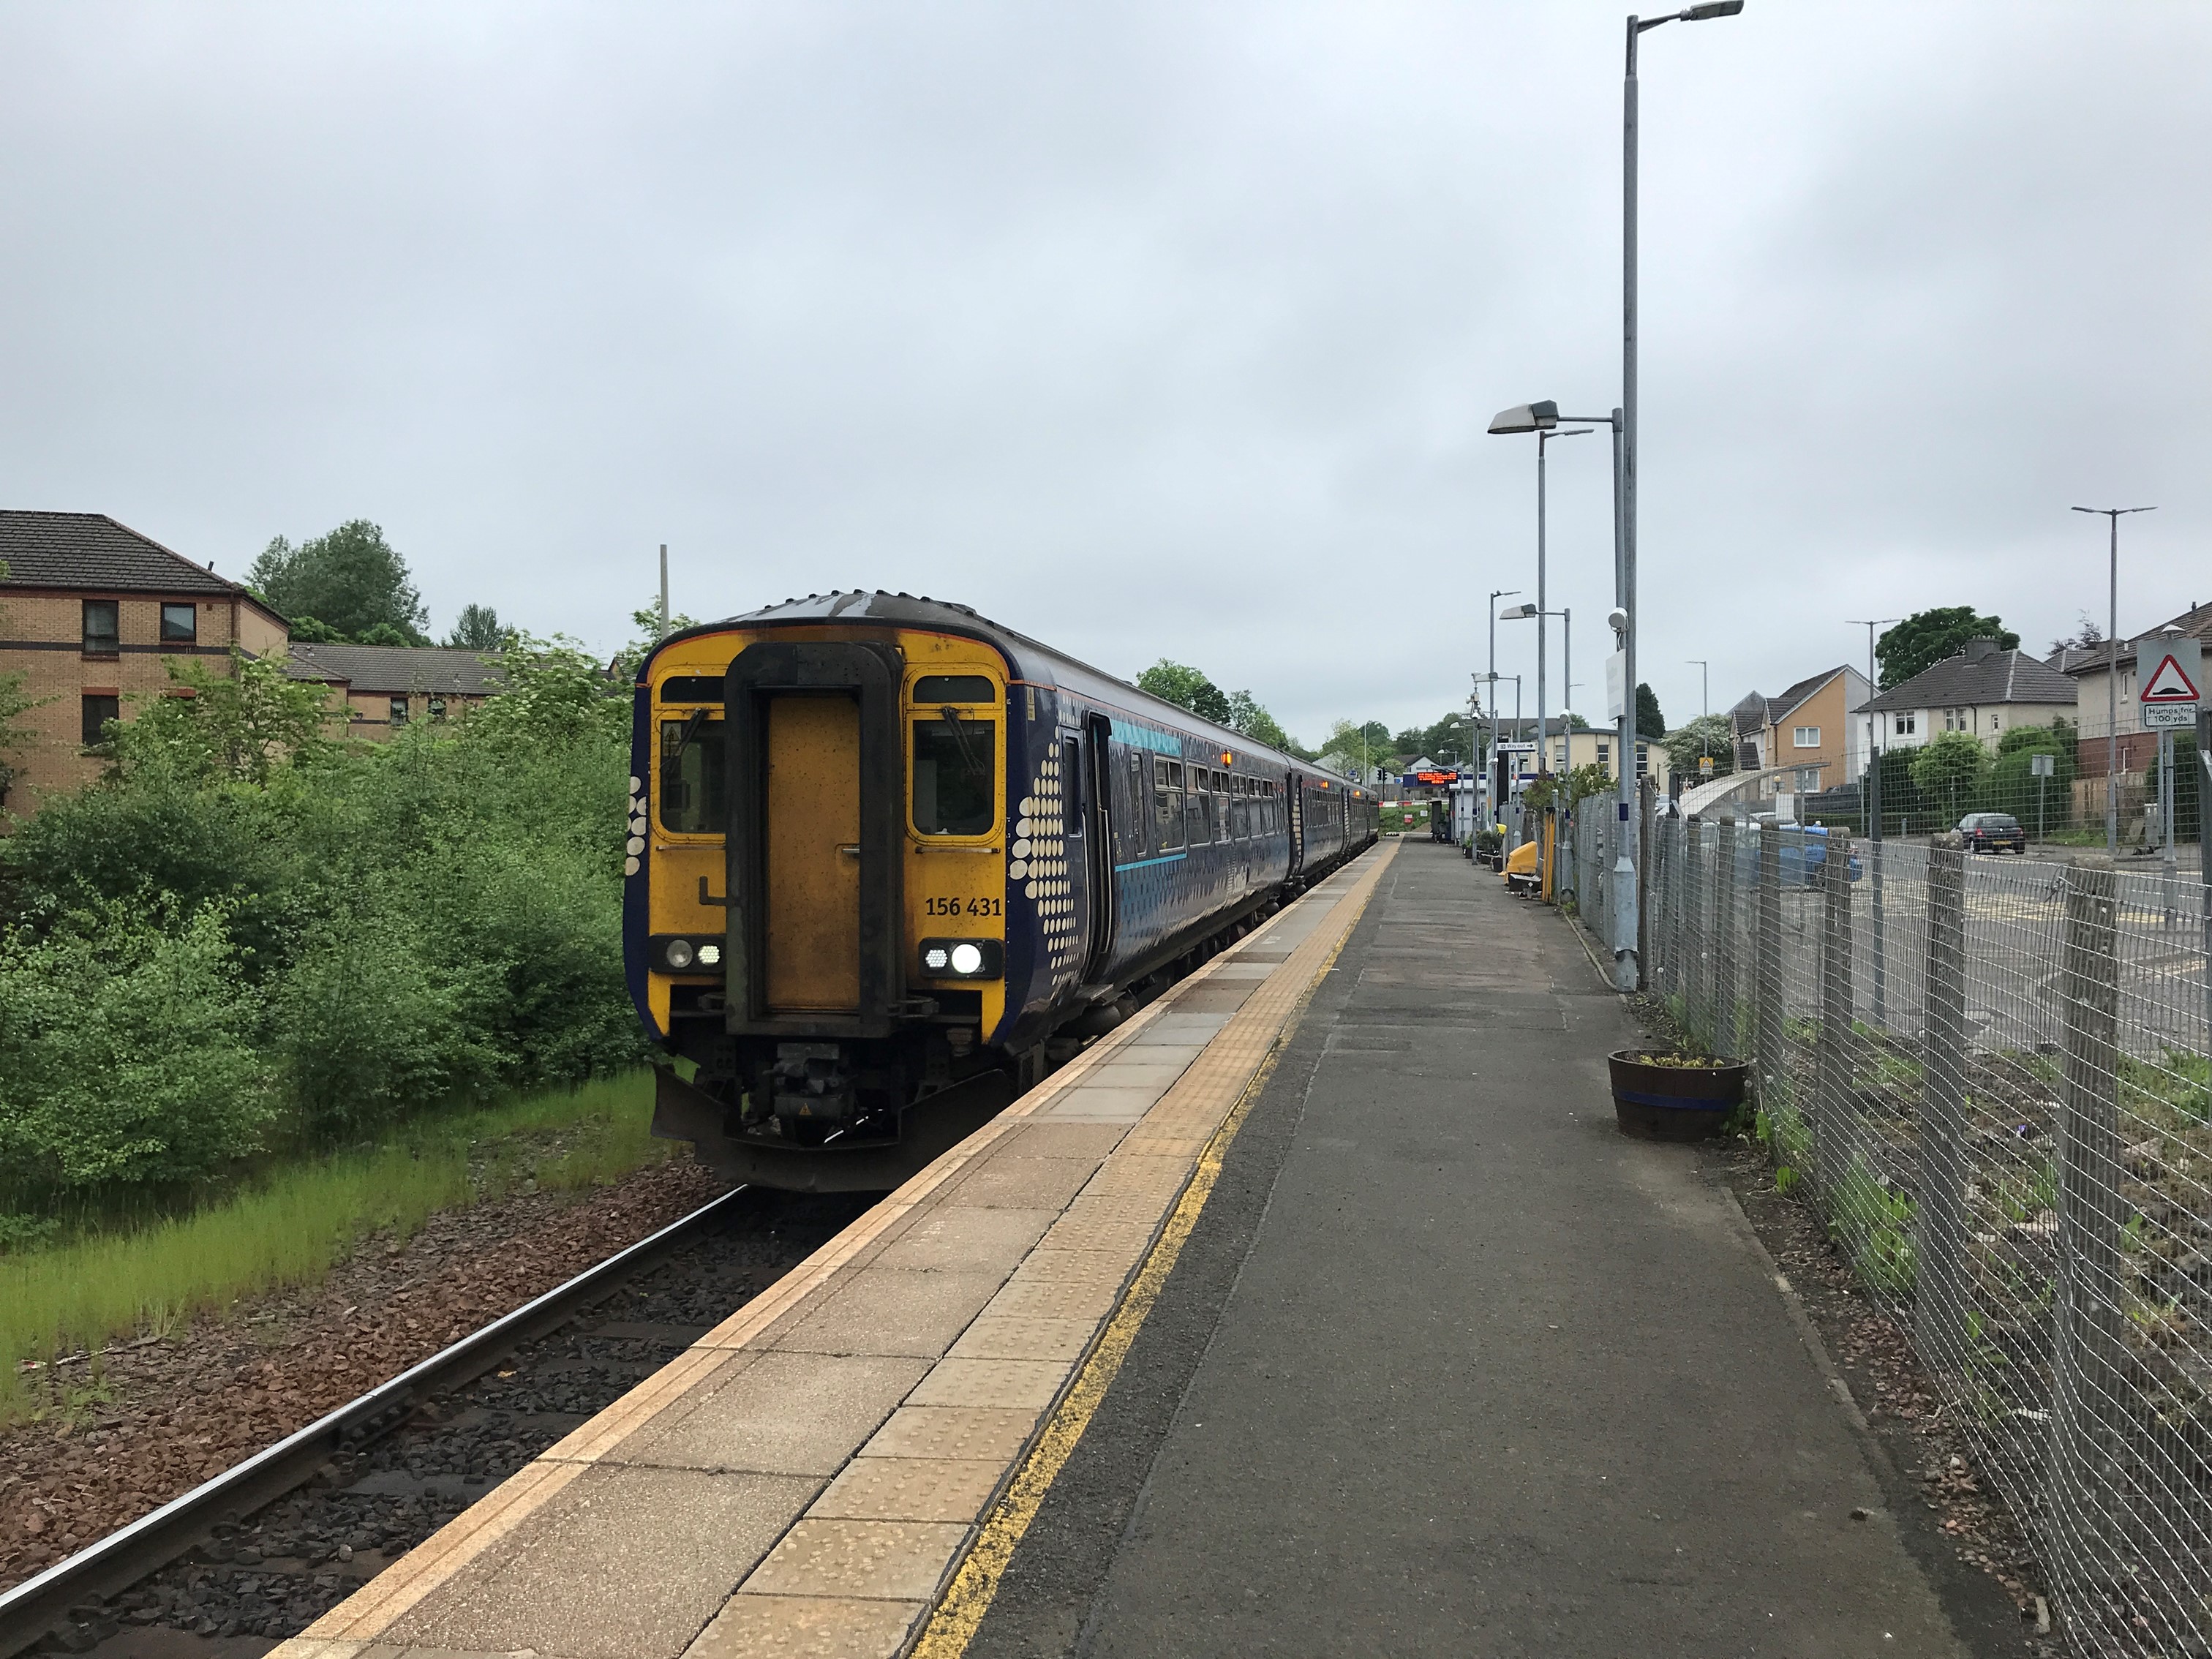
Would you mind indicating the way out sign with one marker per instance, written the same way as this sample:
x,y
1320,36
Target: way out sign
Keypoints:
x,y
2174,671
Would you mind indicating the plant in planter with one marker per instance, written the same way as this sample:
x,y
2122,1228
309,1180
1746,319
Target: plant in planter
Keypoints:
x,y
1659,1096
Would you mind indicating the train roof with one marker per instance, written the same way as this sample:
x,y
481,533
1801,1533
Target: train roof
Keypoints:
x,y
913,611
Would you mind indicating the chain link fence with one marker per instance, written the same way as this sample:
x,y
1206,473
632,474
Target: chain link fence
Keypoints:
x,y
1990,1076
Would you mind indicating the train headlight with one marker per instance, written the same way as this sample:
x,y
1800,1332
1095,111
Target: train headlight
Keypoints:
x,y
963,958
686,953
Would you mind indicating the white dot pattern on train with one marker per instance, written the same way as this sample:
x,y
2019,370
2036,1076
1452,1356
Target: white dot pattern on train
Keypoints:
x,y
1040,865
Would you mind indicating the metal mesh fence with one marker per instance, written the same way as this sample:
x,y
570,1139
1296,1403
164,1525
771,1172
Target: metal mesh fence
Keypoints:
x,y
1990,1076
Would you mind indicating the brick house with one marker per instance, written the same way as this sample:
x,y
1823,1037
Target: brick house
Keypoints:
x,y
89,610
381,688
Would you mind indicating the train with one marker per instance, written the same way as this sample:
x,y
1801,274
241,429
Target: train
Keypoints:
x,y
888,863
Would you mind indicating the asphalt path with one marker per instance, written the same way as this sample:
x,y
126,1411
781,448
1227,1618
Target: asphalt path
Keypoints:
x,y
1450,1366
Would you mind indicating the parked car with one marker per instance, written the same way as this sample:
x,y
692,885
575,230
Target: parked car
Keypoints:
x,y
1804,855
1993,832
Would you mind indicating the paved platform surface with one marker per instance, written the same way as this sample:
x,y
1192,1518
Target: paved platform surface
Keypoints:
x,y
805,1477
1448,1366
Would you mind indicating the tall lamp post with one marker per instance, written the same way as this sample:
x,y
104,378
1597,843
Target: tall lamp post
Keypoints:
x,y
2113,682
1627,968
1566,616
1546,431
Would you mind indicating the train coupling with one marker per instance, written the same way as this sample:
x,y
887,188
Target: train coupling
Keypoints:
x,y
810,1083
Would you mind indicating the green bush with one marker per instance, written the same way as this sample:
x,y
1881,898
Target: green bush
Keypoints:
x,y
127,1052
225,947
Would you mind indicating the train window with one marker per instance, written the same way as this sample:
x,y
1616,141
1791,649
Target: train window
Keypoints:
x,y
691,688
1166,800
956,775
1071,784
694,777
933,689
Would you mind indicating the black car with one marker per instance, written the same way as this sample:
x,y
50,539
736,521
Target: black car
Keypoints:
x,y
1993,832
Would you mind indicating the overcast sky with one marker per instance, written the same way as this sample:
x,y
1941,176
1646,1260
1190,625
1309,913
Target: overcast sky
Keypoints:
x,y
1150,330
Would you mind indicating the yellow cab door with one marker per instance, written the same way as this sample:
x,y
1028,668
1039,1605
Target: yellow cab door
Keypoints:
x,y
812,891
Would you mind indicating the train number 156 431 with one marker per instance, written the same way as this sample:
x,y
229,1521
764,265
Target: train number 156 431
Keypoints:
x,y
960,907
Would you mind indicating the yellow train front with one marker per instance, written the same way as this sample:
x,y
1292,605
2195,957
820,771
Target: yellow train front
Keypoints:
x,y
888,861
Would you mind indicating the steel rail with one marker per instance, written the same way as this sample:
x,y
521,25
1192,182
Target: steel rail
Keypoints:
x,y
40,1605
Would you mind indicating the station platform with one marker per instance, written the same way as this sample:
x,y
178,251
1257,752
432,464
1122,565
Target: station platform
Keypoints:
x,y
1319,1310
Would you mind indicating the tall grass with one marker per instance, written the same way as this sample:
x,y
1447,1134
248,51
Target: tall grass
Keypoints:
x,y
288,1230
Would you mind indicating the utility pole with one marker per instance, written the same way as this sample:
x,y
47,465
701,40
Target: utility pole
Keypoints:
x,y
2113,682
1874,817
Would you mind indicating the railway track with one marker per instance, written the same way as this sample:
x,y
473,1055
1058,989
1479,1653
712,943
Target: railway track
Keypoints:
x,y
259,1552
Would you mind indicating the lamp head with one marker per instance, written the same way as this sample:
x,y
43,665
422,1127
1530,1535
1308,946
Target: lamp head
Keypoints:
x,y
1527,417
1516,613
1712,8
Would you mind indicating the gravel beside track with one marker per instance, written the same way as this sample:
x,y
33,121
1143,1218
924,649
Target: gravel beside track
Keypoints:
x,y
267,1574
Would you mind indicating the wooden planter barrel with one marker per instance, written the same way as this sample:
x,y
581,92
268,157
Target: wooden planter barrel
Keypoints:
x,y
1674,1102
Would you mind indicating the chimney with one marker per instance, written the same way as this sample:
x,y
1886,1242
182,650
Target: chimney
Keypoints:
x,y
1978,648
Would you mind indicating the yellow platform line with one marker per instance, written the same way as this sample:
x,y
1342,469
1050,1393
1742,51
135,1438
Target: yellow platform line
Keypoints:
x,y
975,1584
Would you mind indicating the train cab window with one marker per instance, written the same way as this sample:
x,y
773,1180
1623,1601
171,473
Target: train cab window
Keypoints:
x,y
956,772
1166,800
694,776
934,688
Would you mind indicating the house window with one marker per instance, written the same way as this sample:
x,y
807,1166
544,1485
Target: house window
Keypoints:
x,y
1642,759
180,624
399,711
437,708
101,636
99,709
1805,737
1993,722
1906,724
1605,756
1809,780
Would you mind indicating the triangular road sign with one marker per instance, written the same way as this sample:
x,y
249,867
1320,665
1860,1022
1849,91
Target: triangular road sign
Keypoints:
x,y
2169,683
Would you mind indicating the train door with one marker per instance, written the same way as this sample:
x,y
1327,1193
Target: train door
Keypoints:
x,y
1294,802
1096,804
812,925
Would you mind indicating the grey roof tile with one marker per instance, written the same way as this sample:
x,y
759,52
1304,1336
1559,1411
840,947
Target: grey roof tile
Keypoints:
x,y
397,669
93,552
1960,682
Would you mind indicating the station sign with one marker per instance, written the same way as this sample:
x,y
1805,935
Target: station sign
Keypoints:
x,y
2168,696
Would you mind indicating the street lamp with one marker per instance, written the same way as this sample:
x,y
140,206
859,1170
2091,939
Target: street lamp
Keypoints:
x,y
2112,684
1628,970
1496,594
1566,616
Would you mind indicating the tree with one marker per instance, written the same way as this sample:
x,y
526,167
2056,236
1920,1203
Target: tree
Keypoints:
x,y
1925,638
1247,716
553,692
1950,770
477,629
1649,722
2041,804
1707,734
1187,688
238,726
647,619
351,580
2087,637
